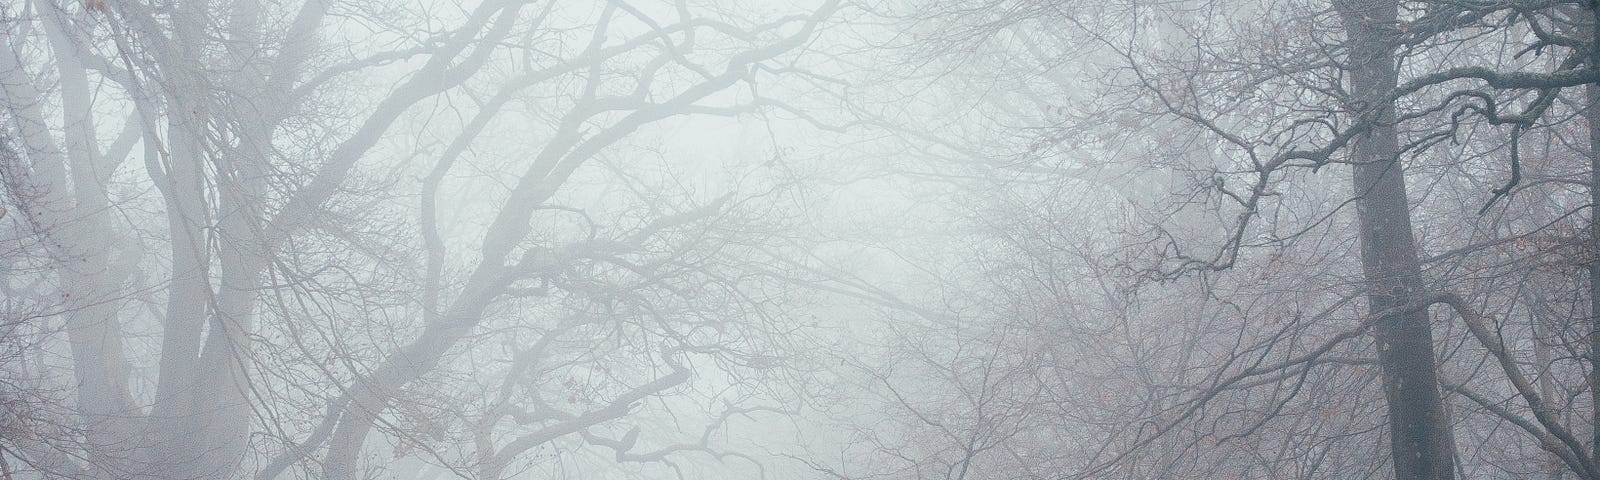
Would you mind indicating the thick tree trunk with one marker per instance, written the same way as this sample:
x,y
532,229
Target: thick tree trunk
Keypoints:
x,y
199,424
1419,433
65,197
205,426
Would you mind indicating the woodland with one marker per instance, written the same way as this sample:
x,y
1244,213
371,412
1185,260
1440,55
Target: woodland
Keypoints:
x,y
820,239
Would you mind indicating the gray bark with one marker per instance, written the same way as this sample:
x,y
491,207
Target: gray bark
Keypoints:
x,y
1419,433
1592,115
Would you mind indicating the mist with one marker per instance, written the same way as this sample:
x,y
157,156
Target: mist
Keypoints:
x,y
827,239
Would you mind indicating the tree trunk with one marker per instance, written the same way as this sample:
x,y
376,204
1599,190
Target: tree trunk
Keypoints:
x,y
63,192
1591,114
1419,434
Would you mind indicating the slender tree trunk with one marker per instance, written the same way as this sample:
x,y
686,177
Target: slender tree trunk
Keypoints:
x,y
1591,114
1543,356
1419,434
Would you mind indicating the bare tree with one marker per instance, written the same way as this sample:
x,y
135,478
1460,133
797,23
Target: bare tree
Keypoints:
x,y
258,149
1388,88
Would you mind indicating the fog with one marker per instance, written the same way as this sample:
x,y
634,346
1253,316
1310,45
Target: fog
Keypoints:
x,y
828,239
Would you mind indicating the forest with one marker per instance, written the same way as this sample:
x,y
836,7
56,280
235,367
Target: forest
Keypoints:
x,y
818,239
